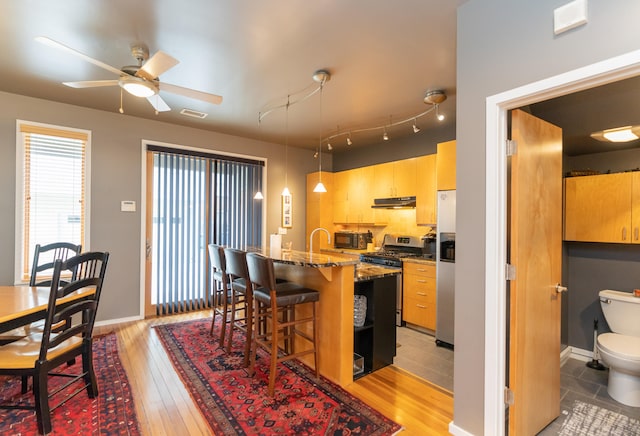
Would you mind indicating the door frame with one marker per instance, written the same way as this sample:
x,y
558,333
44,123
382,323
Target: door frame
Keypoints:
x,y
497,106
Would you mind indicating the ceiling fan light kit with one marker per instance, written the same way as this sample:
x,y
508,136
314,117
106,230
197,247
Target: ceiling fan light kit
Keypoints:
x,y
138,87
138,80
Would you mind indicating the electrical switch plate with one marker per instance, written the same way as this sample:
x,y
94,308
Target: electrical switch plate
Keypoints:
x,y
569,16
127,206
282,231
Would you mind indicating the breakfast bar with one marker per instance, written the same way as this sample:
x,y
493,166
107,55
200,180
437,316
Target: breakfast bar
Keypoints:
x,y
333,275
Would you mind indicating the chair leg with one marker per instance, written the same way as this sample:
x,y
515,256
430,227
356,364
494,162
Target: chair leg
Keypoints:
x,y
25,384
225,311
232,320
89,374
274,350
216,301
248,298
315,339
43,414
254,341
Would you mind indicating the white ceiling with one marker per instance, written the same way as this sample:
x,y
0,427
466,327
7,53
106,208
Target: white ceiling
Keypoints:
x,y
383,57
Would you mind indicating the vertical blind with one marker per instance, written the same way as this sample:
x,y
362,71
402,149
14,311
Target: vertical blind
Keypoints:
x,y
54,188
198,200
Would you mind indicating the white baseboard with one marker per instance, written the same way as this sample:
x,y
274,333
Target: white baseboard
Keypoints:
x,y
457,431
580,354
117,321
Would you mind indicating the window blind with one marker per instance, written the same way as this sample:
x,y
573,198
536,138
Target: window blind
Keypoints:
x,y
54,188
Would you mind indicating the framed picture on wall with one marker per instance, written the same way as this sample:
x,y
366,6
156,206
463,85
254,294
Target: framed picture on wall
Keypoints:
x,y
287,211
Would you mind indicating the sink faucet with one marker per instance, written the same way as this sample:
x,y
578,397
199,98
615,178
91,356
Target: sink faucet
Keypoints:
x,y
313,233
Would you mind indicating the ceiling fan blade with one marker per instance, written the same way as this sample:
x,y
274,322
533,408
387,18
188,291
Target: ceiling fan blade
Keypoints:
x,y
158,103
191,93
91,83
51,43
156,65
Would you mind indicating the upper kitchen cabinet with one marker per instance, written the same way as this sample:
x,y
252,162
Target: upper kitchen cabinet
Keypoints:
x,y
319,205
603,208
395,179
426,189
353,197
446,166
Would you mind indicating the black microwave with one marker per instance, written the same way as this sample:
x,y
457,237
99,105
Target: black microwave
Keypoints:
x,y
352,240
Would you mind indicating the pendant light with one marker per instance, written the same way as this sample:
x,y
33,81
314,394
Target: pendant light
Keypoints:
x,y
285,191
320,76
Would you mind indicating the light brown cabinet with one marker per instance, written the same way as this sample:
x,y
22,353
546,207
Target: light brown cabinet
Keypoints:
x,y
419,294
446,166
395,179
603,208
353,197
426,189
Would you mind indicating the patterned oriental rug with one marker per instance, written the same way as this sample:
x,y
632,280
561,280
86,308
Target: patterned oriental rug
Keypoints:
x,y
590,420
235,404
112,412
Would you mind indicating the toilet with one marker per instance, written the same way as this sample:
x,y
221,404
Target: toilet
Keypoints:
x,y
620,349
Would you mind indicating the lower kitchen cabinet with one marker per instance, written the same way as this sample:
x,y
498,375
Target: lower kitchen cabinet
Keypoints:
x,y
376,340
419,294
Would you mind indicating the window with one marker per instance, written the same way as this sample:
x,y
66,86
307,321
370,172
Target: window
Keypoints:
x,y
198,198
51,184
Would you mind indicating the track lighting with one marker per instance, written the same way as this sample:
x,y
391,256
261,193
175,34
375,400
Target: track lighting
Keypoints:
x,y
385,137
329,146
320,76
315,155
439,116
416,129
349,142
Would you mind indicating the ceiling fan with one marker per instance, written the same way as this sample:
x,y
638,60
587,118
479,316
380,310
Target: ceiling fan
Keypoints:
x,y
139,80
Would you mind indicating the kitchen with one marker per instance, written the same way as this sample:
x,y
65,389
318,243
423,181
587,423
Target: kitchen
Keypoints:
x,y
388,215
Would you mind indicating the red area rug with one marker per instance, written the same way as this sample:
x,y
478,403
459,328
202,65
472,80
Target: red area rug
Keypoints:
x,y
111,413
236,404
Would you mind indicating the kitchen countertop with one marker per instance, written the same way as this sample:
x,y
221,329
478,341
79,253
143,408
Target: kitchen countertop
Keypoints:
x,y
420,260
310,260
368,271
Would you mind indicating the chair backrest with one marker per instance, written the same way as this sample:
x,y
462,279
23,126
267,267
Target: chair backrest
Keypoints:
x,y
261,271
87,271
216,255
45,256
236,263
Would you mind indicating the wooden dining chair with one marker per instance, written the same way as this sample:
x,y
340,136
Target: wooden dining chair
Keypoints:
x,y
41,271
277,302
39,353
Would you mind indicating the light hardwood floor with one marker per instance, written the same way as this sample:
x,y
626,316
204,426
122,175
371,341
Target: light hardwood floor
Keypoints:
x,y
164,407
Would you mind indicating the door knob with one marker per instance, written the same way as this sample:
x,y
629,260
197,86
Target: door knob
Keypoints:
x,y
560,289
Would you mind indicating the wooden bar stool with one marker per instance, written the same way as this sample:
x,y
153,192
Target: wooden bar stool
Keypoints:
x,y
271,298
241,298
221,288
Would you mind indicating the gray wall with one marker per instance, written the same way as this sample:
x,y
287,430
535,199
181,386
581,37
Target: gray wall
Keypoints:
x,y
420,144
116,176
503,44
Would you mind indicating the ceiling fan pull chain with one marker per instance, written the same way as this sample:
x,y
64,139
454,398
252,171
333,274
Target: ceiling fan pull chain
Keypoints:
x,y
121,110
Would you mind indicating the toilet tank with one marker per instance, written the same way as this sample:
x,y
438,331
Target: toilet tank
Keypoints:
x,y
622,311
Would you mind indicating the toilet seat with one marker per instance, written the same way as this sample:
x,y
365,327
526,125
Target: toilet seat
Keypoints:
x,y
621,346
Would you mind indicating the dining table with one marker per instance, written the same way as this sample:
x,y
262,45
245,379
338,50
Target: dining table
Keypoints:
x,y
23,304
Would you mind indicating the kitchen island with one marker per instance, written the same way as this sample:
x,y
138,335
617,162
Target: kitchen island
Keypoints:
x,y
334,276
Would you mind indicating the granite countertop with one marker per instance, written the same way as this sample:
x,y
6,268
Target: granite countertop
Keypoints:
x,y
310,260
419,260
368,271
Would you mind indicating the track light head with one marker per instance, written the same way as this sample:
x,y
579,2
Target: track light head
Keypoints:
x,y
349,141
329,146
385,137
315,155
439,116
416,129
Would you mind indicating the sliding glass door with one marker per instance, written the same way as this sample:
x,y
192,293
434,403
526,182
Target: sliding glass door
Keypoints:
x,y
195,199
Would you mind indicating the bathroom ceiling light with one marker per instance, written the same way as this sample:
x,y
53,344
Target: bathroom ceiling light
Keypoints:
x,y
619,134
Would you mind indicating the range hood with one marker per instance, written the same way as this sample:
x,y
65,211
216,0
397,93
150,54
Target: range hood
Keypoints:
x,y
394,203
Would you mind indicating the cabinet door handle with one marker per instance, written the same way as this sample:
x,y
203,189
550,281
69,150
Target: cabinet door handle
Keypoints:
x,y
421,281
421,306
422,294
420,269
624,233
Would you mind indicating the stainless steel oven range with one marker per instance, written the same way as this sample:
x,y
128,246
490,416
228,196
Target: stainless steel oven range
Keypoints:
x,y
394,249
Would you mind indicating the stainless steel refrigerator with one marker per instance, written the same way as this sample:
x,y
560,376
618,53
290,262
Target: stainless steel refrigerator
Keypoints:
x,y
445,267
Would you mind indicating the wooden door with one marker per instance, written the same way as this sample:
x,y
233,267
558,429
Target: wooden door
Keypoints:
x,y
535,238
598,208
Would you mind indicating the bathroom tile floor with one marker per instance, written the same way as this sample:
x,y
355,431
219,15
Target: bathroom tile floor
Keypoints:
x,y
417,353
579,382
